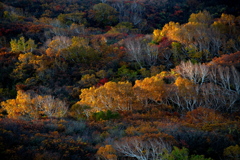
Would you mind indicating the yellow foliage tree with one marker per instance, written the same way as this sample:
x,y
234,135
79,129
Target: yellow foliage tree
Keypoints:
x,y
111,96
22,45
30,106
150,89
232,152
80,42
88,80
107,152
201,17
20,107
30,63
169,30
227,19
157,35
183,84
185,94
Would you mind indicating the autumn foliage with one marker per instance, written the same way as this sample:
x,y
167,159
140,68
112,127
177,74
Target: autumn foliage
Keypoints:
x,y
119,79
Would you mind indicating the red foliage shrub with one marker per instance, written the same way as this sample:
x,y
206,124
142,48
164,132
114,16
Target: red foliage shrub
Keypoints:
x,y
228,60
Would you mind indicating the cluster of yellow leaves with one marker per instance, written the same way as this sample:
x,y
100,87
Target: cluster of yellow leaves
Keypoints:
x,y
20,106
152,92
157,91
107,152
22,45
170,29
157,35
202,35
150,88
110,96
185,86
232,152
201,17
29,106
29,62
122,96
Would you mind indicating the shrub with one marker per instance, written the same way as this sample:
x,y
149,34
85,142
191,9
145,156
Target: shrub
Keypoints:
x,y
182,154
105,115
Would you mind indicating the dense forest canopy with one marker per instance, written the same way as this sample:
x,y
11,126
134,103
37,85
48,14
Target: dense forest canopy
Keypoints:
x,y
119,79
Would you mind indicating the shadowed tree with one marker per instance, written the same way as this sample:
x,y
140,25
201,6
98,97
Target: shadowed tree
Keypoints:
x,y
104,15
142,149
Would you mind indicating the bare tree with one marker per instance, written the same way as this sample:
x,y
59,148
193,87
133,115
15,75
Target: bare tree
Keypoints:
x,y
142,149
218,98
198,73
203,72
151,54
229,99
236,79
187,70
140,51
167,54
136,13
211,94
53,107
120,7
78,29
213,74
187,100
218,87
135,51
224,77
129,12
103,1
216,41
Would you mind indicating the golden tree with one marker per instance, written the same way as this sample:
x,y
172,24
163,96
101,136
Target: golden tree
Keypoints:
x,y
111,96
22,45
107,152
184,94
21,106
150,90
34,106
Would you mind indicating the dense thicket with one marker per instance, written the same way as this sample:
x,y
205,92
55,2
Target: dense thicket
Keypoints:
x,y
117,79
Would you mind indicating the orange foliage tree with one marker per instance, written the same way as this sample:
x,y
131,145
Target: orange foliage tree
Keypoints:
x,y
111,96
228,59
203,115
107,152
184,94
34,106
150,89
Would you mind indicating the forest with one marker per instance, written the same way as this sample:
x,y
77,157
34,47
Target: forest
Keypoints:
x,y
119,80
